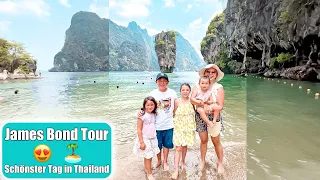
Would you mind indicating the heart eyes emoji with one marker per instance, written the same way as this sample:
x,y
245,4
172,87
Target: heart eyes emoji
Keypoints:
x,y
38,152
42,153
45,152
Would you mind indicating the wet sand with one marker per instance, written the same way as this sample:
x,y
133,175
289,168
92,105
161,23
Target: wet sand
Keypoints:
x,y
127,166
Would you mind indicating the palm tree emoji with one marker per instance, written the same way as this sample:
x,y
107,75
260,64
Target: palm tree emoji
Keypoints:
x,y
73,147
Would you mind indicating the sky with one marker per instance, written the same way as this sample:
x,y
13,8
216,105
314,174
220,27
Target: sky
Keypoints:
x,y
40,25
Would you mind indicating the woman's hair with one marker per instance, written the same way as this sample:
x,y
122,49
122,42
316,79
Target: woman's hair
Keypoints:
x,y
149,98
204,77
185,84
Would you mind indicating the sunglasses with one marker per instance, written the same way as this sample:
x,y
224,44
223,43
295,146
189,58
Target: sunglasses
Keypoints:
x,y
210,72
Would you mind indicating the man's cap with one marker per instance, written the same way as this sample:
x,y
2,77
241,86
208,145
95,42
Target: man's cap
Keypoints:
x,y
162,75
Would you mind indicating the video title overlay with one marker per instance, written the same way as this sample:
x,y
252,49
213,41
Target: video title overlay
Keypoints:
x,y
51,150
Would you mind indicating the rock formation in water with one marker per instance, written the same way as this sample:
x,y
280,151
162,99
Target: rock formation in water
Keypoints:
x,y
276,38
165,47
94,44
86,45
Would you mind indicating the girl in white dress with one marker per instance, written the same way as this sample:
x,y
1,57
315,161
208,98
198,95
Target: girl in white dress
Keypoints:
x,y
146,144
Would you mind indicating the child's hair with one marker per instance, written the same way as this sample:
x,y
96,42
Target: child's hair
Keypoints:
x,y
149,98
185,84
204,77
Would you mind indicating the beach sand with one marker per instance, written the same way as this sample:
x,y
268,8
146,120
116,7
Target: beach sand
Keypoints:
x,y
127,166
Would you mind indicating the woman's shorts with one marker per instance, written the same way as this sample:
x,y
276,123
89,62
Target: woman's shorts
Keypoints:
x,y
202,126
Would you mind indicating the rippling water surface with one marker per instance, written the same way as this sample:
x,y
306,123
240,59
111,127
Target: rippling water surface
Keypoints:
x,y
271,128
283,129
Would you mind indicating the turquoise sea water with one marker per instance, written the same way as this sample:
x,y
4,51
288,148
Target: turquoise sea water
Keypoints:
x,y
283,129
271,128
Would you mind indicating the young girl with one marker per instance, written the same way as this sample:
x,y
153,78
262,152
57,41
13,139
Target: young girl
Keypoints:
x,y
184,127
146,145
204,97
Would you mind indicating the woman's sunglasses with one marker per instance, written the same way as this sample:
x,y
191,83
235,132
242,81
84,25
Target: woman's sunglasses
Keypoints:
x,y
211,72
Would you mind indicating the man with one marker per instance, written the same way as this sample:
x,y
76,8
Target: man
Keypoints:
x,y
165,98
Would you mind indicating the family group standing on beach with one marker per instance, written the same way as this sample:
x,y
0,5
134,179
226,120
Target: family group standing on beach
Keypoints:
x,y
167,121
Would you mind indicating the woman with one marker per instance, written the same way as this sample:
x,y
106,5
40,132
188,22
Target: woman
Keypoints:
x,y
215,75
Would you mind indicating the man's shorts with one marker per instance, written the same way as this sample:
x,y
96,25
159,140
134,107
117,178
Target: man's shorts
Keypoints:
x,y
165,138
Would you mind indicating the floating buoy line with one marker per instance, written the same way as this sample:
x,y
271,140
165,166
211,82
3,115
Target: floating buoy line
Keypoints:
x,y
316,96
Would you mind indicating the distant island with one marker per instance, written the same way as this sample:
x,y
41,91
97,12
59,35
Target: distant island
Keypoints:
x,y
97,44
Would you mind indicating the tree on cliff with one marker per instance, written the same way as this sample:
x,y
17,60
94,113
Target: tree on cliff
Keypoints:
x,y
13,56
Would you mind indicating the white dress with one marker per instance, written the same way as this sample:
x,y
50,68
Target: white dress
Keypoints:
x,y
149,138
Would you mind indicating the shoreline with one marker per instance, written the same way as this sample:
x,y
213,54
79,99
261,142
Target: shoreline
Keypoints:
x,y
18,77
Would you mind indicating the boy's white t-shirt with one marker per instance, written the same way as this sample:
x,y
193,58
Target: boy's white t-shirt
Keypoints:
x,y
165,107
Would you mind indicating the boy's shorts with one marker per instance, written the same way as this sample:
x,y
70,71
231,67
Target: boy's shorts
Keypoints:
x,y
165,138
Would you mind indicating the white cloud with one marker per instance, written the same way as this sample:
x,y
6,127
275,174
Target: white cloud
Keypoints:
x,y
196,23
121,23
130,8
36,7
4,26
8,7
169,3
151,31
65,3
220,10
196,30
102,11
189,7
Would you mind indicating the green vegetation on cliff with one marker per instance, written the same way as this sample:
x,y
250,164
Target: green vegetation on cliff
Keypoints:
x,y
212,31
159,42
215,33
280,60
171,37
225,63
173,34
14,56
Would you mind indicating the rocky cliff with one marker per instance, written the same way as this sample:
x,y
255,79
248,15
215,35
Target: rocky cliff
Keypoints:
x,y
276,38
95,44
86,45
165,47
